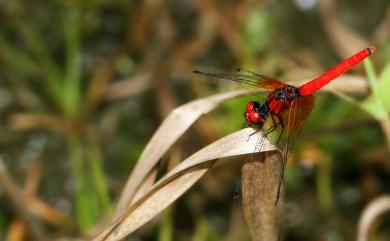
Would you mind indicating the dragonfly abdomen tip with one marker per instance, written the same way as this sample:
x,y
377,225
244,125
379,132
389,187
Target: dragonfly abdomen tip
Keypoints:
x,y
371,50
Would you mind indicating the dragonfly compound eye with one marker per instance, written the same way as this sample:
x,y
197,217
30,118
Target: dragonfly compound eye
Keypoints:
x,y
253,116
252,105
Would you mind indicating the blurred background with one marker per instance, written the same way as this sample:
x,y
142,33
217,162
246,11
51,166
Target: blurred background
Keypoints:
x,y
83,86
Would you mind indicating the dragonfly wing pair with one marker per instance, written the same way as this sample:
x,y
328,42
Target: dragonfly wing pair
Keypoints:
x,y
292,118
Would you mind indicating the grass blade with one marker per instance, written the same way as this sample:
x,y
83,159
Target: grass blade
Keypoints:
x,y
71,85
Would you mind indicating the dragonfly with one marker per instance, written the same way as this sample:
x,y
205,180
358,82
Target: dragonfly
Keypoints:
x,y
286,106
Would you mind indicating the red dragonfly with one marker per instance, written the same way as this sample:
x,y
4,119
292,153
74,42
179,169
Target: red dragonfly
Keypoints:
x,y
287,106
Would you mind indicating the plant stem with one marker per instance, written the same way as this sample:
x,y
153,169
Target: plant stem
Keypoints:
x,y
382,116
97,173
385,125
83,201
166,228
14,193
260,179
324,183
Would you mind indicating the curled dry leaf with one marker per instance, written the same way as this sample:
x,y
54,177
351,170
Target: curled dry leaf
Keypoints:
x,y
374,209
180,179
166,135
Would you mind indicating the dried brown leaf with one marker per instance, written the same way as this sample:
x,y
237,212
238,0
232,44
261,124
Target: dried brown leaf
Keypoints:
x,y
166,135
179,180
128,87
29,121
371,213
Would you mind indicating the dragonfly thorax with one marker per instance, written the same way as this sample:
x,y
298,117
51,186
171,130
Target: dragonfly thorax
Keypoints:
x,y
287,93
281,99
276,102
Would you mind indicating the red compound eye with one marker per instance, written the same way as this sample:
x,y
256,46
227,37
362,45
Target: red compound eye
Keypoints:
x,y
253,116
252,105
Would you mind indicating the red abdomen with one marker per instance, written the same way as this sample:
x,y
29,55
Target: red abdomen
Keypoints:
x,y
319,82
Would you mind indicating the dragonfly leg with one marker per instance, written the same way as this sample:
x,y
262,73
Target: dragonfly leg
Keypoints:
x,y
269,130
256,127
251,134
280,119
273,121
248,124
281,178
272,128
281,132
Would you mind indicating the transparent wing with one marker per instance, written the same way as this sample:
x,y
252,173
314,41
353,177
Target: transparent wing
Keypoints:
x,y
282,130
292,118
247,77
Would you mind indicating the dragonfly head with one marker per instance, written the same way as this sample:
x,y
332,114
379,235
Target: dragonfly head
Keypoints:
x,y
252,114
